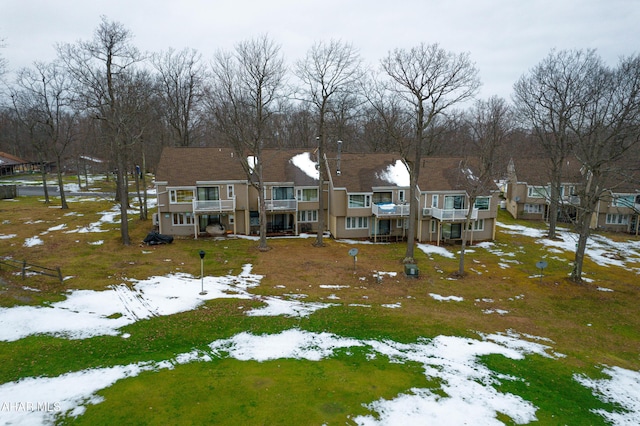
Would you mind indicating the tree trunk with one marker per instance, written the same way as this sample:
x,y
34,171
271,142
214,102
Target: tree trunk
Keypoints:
x,y
319,238
122,192
43,171
467,222
262,246
63,197
78,173
414,194
554,198
585,231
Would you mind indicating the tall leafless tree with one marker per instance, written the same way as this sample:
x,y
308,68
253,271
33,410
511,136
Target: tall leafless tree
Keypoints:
x,y
181,78
45,91
100,68
329,73
247,88
547,100
429,81
490,123
28,120
607,129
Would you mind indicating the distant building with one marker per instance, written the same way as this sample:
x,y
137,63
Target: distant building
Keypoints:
x,y
10,164
528,196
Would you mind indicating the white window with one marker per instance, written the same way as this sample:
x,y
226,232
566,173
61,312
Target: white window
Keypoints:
x,y
455,202
308,216
482,203
401,197
232,219
282,193
402,223
434,200
537,191
307,194
230,192
533,208
209,193
617,219
477,225
361,222
433,226
182,219
359,200
624,200
180,196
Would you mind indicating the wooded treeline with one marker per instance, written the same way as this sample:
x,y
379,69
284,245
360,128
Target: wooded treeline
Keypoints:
x,y
170,98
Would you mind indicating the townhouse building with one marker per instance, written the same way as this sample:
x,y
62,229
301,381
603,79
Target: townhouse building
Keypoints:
x,y
204,190
528,196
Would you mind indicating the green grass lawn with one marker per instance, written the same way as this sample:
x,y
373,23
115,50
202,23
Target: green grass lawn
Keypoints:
x,y
585,328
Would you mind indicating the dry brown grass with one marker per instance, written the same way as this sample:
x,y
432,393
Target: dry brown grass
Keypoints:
x,y
590,325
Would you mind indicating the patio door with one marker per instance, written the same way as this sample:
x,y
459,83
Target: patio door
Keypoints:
x,y
454,202
384,227
209,193
451,231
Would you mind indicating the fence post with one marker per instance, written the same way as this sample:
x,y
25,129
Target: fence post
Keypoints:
x,y
59,274
24,269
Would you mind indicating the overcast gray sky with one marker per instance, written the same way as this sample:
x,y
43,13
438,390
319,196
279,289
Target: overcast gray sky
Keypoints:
x,y
504,37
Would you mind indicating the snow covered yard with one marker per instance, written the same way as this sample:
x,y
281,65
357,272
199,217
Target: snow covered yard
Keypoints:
x,y
469,386
467,391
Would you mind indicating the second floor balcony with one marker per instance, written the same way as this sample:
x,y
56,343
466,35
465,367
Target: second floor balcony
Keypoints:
x,y
449,215
390,210
281,205
214,206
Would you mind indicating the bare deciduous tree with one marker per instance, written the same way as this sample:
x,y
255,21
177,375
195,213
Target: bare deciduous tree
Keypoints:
x,y
490,124
429,80
45,93
181,86
547,100
246,91
329,74
100,67
28,119
607,128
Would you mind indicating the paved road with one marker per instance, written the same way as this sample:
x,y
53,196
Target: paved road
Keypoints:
x,y
38,191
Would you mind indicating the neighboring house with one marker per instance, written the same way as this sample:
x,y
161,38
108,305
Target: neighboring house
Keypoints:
x,y
618,211
528,189
366,196
10,164
527,196
200,188
445,201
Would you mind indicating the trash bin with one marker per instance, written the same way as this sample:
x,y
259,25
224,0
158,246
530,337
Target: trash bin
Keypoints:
x,y
411,270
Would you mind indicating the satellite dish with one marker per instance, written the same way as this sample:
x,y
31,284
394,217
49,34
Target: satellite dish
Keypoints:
x,y
541,265
517,199
353,252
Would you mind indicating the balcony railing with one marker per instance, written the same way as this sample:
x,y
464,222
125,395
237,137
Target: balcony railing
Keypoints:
x,y
387,210
570,199
452,214
281,205
216,206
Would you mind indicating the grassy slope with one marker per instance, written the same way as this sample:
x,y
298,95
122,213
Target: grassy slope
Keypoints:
x,y
591,327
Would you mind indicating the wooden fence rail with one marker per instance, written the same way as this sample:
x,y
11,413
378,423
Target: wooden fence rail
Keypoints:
x,y
25,267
